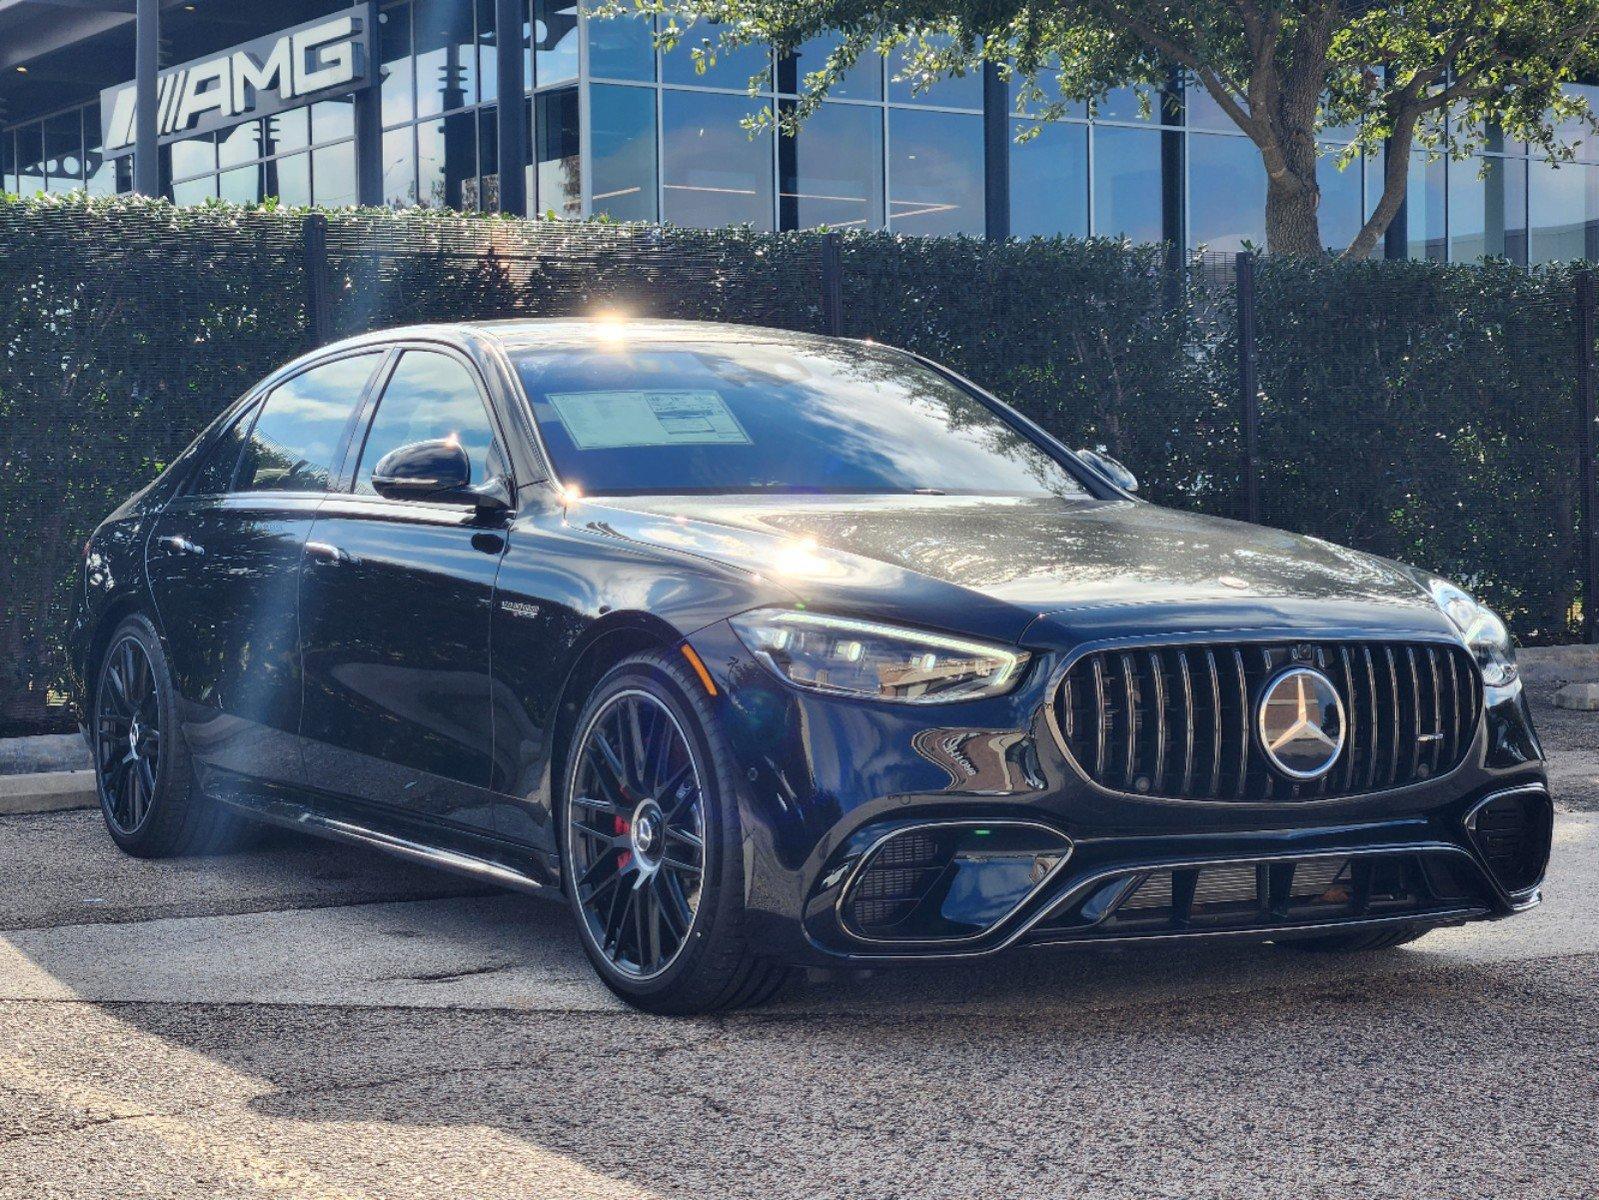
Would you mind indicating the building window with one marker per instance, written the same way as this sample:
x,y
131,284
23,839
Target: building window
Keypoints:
x,y
1341,213
31,176
193,157
8,161
555,26
832,172
333,183
733,69
63,151
1127,183
1425,209
446,56
1226,192
446,159
935,172
621,48
622,146
965,92
1049,180
713,172
1564,211
557,165
399,167
863,81
394,53
1488,209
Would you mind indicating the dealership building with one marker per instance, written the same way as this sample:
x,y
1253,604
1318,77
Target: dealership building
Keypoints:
x,y
319,102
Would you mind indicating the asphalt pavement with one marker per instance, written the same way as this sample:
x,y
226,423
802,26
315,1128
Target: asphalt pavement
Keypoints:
x,y
311,1020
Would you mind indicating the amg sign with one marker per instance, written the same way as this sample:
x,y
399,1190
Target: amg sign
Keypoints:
x,y
257,79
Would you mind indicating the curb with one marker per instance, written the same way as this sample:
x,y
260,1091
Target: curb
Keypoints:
x,y
53,791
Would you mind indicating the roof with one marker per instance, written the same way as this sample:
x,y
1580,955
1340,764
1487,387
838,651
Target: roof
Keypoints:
x,y
520,332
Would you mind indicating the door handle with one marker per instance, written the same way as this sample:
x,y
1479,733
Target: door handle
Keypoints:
x,y
179,544
329,553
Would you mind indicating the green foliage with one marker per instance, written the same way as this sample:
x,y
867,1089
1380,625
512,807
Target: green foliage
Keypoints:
x,y
1422,411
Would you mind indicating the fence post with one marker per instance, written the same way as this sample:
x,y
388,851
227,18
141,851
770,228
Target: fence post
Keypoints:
x,y
1585,448
1248,387
318,314
832,285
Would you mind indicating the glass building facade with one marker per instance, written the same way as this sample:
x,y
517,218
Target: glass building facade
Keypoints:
x,y
615,126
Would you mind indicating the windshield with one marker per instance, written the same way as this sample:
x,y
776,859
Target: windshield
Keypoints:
x,y
758,417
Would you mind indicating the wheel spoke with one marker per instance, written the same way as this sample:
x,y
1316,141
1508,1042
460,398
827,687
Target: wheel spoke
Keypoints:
x,y
671,802
609,807
652,907
146,777
687,838
679,864
602,872
659,753
621,909
666,903
611,760
633,747
118,692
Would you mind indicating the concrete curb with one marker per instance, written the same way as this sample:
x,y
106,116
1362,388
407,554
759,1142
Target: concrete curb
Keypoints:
x,y
53,791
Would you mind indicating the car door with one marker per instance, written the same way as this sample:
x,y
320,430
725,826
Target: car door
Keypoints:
x,y
224,562
395,604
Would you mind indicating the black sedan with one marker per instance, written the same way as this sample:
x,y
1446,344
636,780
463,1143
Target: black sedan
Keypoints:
x,y
770,650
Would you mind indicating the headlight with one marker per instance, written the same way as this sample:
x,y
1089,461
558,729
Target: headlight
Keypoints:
x,y
859,658
1484,633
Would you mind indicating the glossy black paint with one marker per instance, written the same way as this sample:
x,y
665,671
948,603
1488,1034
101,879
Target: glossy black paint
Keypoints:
x,y
415,667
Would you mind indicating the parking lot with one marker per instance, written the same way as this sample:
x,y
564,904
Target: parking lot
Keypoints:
x,y
312,1020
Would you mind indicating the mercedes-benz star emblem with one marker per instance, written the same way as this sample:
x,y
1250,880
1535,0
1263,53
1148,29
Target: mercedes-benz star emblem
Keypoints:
x,y
1301,722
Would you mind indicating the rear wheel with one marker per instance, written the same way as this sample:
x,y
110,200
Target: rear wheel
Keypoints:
x,y
143,774
649,846
1356,943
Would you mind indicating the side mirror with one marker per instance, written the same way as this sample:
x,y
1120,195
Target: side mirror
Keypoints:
x,y
1110,470
438,471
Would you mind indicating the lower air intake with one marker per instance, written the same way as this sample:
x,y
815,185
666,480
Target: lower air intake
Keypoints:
x,y
1511,832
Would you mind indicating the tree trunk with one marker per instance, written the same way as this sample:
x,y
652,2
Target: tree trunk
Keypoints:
x,y
1293,196
1396,176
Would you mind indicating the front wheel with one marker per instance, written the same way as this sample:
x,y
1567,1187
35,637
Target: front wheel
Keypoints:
x,y
649,846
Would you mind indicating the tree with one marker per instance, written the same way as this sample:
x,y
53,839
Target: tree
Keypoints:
x,y
1440,74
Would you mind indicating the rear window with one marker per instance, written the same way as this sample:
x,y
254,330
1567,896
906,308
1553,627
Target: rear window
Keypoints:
x,y
292,446
215,474
627,419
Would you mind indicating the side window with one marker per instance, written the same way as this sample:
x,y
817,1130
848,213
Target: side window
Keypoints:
x,y
429,397
292,445
215,473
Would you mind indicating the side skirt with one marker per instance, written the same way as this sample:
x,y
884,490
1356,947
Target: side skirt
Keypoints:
x,y
479,858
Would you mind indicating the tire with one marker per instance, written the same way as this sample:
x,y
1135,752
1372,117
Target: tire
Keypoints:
x,y
1355,943
647,774
150,802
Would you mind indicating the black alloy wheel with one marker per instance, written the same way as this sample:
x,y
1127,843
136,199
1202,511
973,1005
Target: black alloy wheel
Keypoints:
x,y
128,735
152,806
636,833
650,821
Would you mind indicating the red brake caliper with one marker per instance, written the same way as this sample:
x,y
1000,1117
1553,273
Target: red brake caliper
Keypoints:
x,y
622,826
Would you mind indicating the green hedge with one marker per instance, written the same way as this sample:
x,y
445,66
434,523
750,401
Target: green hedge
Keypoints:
x,y
1423,411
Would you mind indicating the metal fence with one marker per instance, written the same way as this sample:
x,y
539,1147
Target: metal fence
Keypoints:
x,y
1440,414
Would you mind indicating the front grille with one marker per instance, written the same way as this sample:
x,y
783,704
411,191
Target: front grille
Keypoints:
x,y
1179,721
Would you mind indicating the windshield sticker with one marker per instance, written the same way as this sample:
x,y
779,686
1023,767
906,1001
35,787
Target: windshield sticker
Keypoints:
x,y
611,420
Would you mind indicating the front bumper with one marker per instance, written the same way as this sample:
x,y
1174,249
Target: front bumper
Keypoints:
x,y
877,831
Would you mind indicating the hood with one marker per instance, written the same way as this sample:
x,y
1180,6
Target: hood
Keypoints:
x,y
996,565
